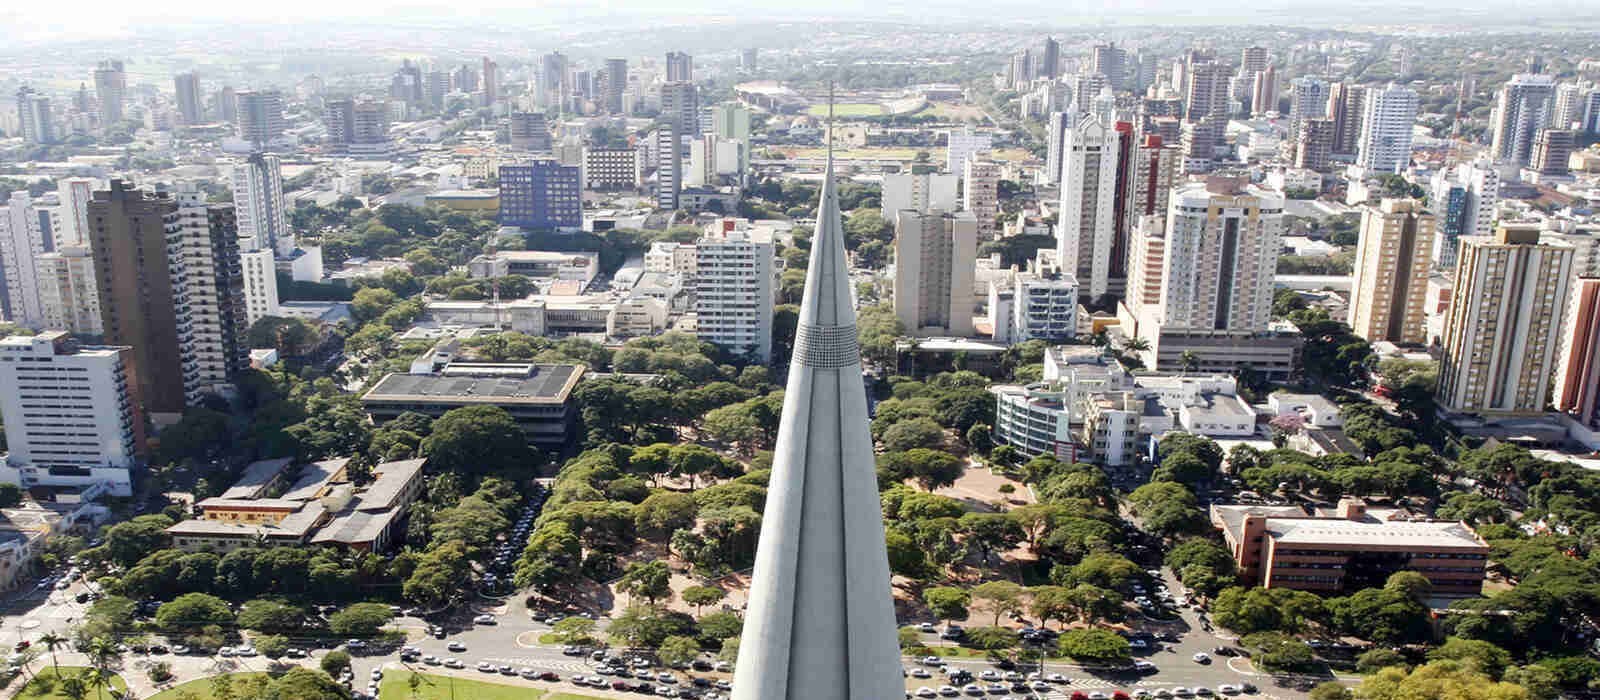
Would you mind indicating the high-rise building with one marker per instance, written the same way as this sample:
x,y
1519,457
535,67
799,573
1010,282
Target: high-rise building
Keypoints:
x,y
1205,111
260,278
21,244
358,127
964,144
611,168
1483,201
1464,202
1264,92
542,194
208,282
1019,72
935,257
1252,60
1044,306
1552,148
820,620
110,91
1577,381
1055,140
1309,100
530,131
919,191
1147,250
1313,147
1390,279
35,122
1345,107
464,79
750,59
680,107
405,86
128,231
552,81
263,218
669,167
1387,117
69,417
1222,244
1568,106
435,85
1086,223
74,194
981,195
491,82
1503,327
680,67
260,116
734,279
616,82
1146,169
1112,62
1524,105
227,105
67,292
1049,59
191,107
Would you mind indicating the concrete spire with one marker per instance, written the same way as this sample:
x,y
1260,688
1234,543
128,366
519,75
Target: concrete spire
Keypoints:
x,y
820,622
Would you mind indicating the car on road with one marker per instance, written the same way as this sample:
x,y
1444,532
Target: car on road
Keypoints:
x,y
953,632
354,644
486,667
454,663
1201,657
948,691
377,674
927,628
456,646
295,653
430,660
997,689
484,620
1229,689
989,674
926,692
931,661
1142,666
972,689
921,672
1203,692
1182,692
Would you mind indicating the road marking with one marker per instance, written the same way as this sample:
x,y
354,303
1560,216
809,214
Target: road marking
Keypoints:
x,y
533,635
547,664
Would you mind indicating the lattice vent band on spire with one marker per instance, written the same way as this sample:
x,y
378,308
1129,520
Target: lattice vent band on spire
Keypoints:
x,y
826,347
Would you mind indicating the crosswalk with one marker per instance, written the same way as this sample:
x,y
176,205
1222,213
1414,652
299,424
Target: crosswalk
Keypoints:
x,y
542,664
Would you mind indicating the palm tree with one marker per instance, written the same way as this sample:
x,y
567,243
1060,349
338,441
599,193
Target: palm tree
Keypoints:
x,y
1188,361
98,678
52,641
1135,344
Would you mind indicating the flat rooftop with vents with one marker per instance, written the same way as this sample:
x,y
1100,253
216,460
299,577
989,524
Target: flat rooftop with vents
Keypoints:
x,y
537,396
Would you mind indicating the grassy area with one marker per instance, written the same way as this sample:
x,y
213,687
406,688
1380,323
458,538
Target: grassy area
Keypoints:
x,y
847,109
45,686
200,688
396,686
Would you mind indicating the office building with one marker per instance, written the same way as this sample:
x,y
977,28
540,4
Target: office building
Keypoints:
x,y
1552,148
551,82
260,116
1503,327
34,121
734,295
1252,60
749,59
1313,146
981,195
70,419
191,106
821,618
964,145
542,194
405,86
1110,61
110,91
919,191
1389,284
22,241
208,282
616,83
1350,548
530,132
464,79
1145,172
67,294
537,396
611,168
257,185
1577,380
1086,224
680,67
680,107
1308,99
1387,117
1523,106
935,257
358,128
1346,103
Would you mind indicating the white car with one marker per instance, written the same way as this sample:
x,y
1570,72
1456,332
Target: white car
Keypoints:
x,y
1201,657
1229,689
377,674
1142,694
486,667
1203,692
989,674
454,663
926,692
1097,695
921,672
1183,692
948,691
484,620
430,660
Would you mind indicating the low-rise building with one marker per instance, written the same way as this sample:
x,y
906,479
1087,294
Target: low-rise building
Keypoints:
x,y
537,396
537,264
1350,547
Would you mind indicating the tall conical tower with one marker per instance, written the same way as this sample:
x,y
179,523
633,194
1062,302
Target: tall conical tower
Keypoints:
x,y
820,623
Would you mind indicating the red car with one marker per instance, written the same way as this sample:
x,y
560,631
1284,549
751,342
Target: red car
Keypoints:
x,y
1079,695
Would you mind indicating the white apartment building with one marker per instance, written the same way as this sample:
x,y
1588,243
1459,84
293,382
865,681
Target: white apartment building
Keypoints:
x,y
69,417
67,292
1044,307
735,275
963,145
1222,243
258,199
935,258
1085,229
203,255
1523,106
1387,118
21,244
74,194
670,257
919,192
260,284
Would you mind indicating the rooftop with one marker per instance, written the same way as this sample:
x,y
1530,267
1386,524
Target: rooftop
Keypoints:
x,y
392,479
257,476
315,477
1437,534
539,384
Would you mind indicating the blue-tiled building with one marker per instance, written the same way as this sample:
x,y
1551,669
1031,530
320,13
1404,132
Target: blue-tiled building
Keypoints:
x,y
541,194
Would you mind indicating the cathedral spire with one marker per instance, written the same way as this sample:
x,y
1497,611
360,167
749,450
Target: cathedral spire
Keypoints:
x,y
820,621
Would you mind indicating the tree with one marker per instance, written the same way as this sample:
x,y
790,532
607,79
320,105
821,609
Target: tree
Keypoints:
x,y
1093,603
193,610
906,556
995,639
335,663
1102,569
51,642
477,440
701,596
1480,656
912,434
266,615
931,468
574,630
1094,645
947,603
1331,690
1379,658
305,684
1250,610
272,646
648,580
1279,652
677,650
720,625
1439,680
1001,597
10,495
360,619
990,532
